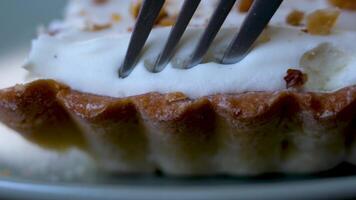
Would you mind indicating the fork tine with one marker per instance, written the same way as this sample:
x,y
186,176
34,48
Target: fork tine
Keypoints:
x,y
148,14
255,22
188,10
210,33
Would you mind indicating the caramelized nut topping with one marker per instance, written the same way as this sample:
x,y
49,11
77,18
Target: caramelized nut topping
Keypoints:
x,y
295,79
295,18
135,11
97,27
163,14
344,4
135,8
167,21
321,22
116,17
244,5
264,37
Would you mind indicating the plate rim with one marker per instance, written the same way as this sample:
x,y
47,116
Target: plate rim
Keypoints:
x,y
344,187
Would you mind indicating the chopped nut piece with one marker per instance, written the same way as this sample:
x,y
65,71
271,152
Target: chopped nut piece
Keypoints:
x,y
321,22
163,14
295,18
295,79
167,21
344,4
304,30
244,5
265,36
97,27
321,63
116,17
135,11
135,8
100,2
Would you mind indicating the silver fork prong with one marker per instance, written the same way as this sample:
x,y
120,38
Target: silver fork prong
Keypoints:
x,y
145,21
257,19
188,10
210,33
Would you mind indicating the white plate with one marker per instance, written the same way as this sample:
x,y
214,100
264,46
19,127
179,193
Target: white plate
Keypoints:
x,y
160,187
30,172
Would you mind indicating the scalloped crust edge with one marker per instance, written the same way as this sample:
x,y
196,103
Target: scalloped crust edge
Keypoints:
x,y
237,134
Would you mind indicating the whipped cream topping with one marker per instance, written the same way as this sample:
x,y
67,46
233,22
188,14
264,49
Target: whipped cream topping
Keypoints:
x,y
89,61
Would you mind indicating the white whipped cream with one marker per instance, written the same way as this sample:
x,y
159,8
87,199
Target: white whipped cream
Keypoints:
x,y
89,61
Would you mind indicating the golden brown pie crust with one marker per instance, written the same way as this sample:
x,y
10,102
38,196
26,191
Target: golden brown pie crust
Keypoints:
x,y
243,134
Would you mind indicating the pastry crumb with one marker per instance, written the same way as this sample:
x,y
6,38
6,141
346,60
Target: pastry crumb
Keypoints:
x,y
295,79
174,97
295,18
344,4
244,5
321,22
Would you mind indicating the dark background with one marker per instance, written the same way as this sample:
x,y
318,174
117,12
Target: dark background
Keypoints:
x,y
19,20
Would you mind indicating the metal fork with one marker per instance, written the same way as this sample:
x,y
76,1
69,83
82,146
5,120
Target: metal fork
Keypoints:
x,y
256,20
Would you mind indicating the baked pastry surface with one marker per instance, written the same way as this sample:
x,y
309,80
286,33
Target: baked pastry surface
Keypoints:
x,y
241,134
